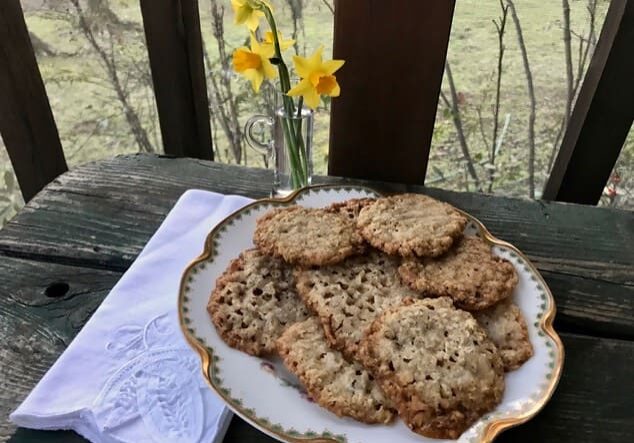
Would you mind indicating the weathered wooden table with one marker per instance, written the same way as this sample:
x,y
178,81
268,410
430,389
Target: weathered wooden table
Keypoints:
x,y
63,252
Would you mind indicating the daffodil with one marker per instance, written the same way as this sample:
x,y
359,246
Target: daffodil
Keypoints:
x,y
270,41
317,78
249,12
253,63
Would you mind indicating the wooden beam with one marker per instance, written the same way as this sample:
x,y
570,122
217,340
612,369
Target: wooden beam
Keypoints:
x,y
602,116
174,42
381,126
26,120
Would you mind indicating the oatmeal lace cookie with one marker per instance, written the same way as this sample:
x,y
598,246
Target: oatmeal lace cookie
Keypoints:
x,y
344,388
436,364
254,301
506,327
411,225
307,236
350,208
469,273
348,296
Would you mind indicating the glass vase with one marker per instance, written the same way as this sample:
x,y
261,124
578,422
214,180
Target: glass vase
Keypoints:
x,y
289,145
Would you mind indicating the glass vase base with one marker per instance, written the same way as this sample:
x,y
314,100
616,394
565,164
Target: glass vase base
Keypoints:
x,y
283,192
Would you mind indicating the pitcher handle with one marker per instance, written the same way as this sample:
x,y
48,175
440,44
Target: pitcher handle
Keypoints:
x,y
257,145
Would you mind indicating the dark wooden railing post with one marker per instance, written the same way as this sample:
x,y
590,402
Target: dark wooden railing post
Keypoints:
x,y
381,126
174,42
26,120
602,116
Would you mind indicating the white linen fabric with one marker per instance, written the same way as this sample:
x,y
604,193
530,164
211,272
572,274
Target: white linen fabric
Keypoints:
x,y
129,376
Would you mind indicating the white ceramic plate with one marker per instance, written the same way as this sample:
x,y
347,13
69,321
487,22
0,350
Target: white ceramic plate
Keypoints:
x,y
266,395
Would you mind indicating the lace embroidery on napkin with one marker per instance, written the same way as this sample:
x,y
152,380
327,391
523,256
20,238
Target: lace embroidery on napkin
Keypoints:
x,y
159,388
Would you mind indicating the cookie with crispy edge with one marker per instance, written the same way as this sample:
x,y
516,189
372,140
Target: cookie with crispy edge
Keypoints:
x,y
436,364
254,301
350,208
307,236
506,327
344,388
411,225
348,296
469,273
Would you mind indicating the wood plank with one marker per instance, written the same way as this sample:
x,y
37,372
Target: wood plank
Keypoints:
x,y
22,435
38,319
602,116
174,42
26,120
101,215
585,407
381,126
594,399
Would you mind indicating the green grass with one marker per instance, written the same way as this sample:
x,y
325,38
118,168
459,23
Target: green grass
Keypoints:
x,y
92,125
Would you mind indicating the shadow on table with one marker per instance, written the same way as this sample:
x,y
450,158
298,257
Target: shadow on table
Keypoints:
x,y
23,435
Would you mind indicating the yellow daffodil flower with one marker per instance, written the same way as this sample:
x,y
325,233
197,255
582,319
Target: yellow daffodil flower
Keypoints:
x,y
317,78
253,63
248,12
284,44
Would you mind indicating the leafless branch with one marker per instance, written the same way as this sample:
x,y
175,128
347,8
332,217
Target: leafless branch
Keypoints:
x,y
568,54
214,136
109,64
556,141
573,84
445,100
590,41
297,12
500,27
483,134
531,96
223,98
457,121
329,6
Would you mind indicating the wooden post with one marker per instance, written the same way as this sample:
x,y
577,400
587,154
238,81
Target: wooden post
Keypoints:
x,y
174,42
602,116
381,126
26,120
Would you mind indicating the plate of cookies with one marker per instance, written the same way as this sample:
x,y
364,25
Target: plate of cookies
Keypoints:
x,y
339,314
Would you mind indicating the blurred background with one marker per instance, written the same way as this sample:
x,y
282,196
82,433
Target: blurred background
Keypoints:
x,y
503,109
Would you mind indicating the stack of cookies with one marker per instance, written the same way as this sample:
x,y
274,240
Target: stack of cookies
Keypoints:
x,y
380,307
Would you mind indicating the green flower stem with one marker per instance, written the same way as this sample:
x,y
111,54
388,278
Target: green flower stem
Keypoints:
x,y
300,140
292,129
296,178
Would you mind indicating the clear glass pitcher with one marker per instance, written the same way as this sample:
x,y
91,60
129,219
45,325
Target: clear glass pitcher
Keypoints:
x,y
290,146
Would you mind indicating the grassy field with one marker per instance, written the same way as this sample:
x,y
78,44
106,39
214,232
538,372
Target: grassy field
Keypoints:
x,y
92,125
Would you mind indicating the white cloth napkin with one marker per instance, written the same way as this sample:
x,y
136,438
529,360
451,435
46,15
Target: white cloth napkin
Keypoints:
x,y
129,376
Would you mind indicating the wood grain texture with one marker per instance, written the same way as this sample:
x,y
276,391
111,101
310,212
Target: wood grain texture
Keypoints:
x,y
381,125
585,407
594,399
174,43
22,435
36,327
592,403
100,215
602,116
26,120
87,226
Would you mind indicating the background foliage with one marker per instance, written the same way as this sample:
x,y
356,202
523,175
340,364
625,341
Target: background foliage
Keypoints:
x,y
93,59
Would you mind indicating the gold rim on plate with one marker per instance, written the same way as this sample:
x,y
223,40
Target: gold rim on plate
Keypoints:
x,y
492,429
